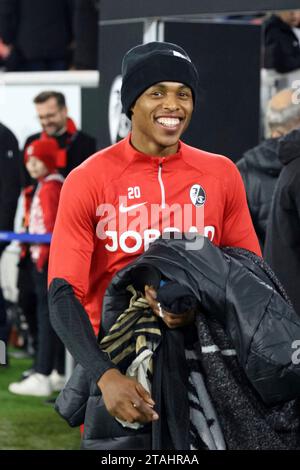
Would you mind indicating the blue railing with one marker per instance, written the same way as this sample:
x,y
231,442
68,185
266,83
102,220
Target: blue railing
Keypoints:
x,y
25,237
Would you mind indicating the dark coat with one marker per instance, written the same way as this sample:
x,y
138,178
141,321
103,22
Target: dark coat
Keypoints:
x,y
235,291
283,231
260,168
242,298
281,46
37,29
79,147
9,178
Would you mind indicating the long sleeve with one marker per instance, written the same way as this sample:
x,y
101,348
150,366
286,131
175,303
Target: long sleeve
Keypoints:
x,y
69,266
72,243
72,325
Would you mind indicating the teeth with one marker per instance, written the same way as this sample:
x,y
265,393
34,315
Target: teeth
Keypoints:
x,y
168,122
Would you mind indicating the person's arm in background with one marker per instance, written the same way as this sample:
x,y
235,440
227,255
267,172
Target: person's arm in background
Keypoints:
x,y
238,228
71,251
9,181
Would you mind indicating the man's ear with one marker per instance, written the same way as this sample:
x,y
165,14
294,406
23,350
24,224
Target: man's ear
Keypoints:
x,y
132,108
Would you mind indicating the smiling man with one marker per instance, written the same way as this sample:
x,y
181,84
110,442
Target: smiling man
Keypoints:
x,y
124,197
75,145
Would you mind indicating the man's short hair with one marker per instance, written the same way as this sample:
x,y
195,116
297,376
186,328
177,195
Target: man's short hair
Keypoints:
x,y
285,115
46,95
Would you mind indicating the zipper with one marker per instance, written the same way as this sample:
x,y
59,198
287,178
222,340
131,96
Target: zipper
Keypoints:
x,y
162,188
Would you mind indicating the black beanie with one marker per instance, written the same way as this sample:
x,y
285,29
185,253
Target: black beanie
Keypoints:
x,y
151,63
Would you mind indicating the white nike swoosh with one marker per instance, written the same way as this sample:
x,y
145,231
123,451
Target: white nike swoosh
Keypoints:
x,y
123,209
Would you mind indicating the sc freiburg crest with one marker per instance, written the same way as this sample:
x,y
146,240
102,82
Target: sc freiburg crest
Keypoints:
x,y
197,195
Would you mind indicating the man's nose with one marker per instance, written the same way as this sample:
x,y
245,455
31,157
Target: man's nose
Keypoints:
x,y
171,102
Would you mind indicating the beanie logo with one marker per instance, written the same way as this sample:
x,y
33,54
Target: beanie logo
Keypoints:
x,y
178,54
197,195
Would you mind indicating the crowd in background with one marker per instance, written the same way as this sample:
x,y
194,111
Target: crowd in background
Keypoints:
x,y
48,35
63,35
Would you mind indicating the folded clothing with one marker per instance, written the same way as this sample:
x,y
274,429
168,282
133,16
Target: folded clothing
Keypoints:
x,y
172,296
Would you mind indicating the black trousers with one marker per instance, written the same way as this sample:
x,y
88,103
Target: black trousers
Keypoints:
x,y
27,296
50,350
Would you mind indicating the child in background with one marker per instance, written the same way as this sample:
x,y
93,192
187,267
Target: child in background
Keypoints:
x,y
41,205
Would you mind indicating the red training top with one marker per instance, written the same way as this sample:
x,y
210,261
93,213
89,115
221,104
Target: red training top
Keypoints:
x,y
119,200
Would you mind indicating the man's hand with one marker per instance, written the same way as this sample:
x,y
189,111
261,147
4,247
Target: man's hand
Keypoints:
x,y
171,320
125,398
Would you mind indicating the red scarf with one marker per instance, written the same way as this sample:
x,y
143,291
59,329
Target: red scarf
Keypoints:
x,y
62,153
28,194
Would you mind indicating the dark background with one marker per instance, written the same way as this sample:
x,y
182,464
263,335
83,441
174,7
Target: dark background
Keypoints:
x,y
124,9
227,57
114,42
